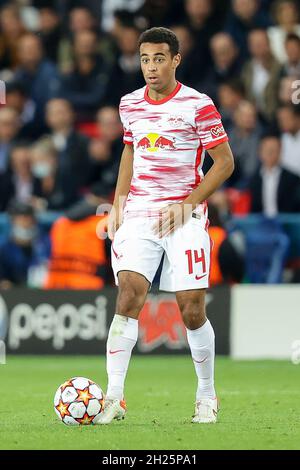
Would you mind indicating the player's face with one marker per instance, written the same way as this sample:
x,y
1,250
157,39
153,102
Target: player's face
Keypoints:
x,y
158,66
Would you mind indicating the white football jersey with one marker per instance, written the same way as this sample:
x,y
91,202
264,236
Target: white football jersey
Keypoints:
x,y
169,137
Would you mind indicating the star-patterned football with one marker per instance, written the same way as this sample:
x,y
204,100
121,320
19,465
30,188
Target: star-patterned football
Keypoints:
x,y
78,401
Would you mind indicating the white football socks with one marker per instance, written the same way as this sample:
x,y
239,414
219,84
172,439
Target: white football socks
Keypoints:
x,y
202,345
122,337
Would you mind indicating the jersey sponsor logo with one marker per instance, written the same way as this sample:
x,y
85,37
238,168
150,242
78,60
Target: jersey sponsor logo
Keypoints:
x,y
153,142
160,324
199,277
175,121
217,131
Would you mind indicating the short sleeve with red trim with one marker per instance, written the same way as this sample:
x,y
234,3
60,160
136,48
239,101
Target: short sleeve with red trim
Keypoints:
x,y
209,125
127,135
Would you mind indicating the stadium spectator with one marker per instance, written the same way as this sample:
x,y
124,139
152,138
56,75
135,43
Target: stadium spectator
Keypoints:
x,y
52,189
126,74
16,182
17,98
245,16
244,139
261,75
190,65
202,25
289,124
80,19
37,74
24,254
86,86
20,178
291,66
273,189
109,127
50,32
226,64
230,95
72,265
11,30
9,129
105,152
286,89
158,13
200,19
123,18
72,147
286,16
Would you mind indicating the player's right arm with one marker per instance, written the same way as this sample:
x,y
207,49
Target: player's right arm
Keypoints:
x,y
122,190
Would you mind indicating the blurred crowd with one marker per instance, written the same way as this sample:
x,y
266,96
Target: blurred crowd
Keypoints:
x,y
66,64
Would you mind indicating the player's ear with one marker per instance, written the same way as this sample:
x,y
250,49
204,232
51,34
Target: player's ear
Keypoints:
x,y
176,60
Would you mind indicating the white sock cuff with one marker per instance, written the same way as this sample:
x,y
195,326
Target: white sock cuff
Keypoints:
x,y
124,326
203,335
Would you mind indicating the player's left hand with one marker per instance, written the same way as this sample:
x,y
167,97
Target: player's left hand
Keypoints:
x,y
170,218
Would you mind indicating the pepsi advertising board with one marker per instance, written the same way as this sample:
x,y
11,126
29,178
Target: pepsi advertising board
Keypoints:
x,y
77,322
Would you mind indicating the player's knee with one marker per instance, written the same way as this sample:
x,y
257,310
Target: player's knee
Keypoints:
x,y
130,300
193,315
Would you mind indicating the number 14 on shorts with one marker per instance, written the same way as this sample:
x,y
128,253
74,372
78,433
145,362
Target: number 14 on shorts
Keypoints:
x,y
194,257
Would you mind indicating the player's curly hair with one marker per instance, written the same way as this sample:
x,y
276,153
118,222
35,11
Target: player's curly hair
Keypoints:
x,y
159,35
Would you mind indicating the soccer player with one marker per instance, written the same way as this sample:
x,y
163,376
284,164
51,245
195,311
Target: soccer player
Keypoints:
x,y
160,209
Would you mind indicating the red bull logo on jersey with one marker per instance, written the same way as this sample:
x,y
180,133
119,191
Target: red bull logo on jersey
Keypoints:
x,y
160,324
153,142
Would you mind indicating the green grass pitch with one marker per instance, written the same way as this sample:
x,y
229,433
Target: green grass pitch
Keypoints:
x,y
259,405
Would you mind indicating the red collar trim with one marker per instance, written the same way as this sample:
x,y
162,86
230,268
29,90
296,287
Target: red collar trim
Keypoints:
x,y
163,100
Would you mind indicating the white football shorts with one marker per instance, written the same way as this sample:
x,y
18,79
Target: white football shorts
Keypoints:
x,y
186,251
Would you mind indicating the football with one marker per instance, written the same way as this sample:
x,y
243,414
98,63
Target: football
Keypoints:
x,y
78,401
